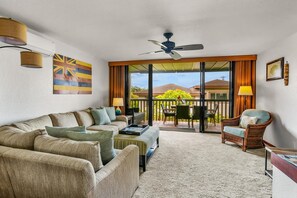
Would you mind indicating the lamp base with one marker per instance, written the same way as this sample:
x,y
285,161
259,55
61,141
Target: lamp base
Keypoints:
x,y
118,111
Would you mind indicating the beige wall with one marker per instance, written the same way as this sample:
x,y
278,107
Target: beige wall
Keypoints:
x,y
26,93
280,100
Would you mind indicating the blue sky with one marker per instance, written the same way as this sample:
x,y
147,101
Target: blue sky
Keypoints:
x,y
187,79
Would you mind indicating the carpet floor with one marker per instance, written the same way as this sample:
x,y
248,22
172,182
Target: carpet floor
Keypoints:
x,y
199,165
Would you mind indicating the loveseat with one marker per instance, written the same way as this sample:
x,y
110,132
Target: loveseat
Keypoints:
x,y
34,164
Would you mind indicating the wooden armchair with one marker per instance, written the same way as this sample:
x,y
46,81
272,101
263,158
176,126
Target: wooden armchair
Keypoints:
x,y
252,135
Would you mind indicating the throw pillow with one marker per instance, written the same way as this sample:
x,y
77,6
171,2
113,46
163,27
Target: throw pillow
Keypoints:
x,y
100,116
111,113
62,131
246,120
17,138
105,138
62,146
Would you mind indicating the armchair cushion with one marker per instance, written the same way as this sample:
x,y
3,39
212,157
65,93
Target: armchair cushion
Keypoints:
x,y
235,130
246,120
263,116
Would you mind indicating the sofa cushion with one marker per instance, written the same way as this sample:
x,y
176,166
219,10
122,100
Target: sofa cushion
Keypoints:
x,y
13,137
64,119
85,150
111,113
119,124
112,128
34,124
84,118
263,116
105,138
246,120
100,116
62,131
235,130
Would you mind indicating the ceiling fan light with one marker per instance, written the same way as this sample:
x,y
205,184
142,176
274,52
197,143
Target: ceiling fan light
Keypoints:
x,y
31,59
12,32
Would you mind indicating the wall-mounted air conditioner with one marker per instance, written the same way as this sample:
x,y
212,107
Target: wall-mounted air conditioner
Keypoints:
x,y
37,43
40,44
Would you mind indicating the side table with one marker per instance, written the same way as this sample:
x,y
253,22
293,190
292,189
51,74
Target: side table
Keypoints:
x,y
130,119
269,149
268,172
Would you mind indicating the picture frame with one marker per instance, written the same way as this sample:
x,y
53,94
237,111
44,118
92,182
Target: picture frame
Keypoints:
x,y
275,69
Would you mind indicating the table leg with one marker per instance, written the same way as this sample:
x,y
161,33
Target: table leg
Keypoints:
x,y
143,159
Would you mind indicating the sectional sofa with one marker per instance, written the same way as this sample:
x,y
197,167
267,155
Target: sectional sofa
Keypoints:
x,y
34,164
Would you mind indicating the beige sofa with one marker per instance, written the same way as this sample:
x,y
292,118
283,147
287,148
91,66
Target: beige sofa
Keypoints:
x,y
32,166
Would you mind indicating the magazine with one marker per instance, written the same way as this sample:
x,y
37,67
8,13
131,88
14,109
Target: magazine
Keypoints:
x,y
290,158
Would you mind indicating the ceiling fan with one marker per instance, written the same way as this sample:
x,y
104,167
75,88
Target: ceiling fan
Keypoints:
x,y
169,47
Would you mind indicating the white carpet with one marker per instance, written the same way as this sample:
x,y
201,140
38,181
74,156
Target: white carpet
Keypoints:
x,y
199,165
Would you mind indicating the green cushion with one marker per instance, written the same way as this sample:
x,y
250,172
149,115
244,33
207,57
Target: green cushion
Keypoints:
x,y
263,116
105,138
100,116
62,131
235,130
111,113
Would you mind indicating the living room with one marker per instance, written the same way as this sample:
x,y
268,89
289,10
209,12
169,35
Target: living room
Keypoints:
x,y
106,34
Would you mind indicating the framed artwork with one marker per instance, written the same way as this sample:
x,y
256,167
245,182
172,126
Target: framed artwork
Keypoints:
x,y
71,76
275,69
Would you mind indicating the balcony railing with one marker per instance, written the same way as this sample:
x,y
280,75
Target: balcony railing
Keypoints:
x,y
142,104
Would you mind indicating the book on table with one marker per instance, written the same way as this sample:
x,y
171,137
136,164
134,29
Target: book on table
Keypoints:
x,y
292,159
134,129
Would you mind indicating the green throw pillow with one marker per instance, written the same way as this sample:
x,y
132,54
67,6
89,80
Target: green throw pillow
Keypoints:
x,y
62,131
111,113
100,116
105,138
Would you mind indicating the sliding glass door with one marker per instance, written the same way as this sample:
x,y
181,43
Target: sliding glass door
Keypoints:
x,y
156,89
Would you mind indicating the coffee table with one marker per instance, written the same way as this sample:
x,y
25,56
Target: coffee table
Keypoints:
x,y
146,142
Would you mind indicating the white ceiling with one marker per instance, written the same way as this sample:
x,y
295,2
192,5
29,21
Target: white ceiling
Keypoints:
x,y
119,29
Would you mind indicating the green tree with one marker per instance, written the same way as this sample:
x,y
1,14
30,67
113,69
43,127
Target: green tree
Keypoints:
x,y
173,94
135,89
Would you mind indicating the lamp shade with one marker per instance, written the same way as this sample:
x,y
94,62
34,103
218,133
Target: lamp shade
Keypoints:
x,y
31,59
13,32
118,102
245,91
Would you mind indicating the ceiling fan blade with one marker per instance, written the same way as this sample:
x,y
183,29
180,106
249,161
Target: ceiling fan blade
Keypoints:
x,y
158,43
175,55
190,47
153,52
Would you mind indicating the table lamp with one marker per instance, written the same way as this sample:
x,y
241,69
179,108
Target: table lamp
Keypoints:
x,y
245,91
118,102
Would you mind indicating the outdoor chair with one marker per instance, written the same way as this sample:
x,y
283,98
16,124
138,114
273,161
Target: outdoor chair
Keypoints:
x,y
167,113
182,112
197,114
211,113
246,130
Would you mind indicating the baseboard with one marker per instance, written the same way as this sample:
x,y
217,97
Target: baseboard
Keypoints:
x,y
269,144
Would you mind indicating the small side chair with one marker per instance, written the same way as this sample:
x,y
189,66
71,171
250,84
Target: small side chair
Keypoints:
x,y
167,113
211,113
249,136
182,112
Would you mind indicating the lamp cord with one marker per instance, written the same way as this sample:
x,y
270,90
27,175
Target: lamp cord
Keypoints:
x,y
12,46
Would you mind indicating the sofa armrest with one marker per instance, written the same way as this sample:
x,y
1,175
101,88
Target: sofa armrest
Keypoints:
x,y
122,118
37,174
121,173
